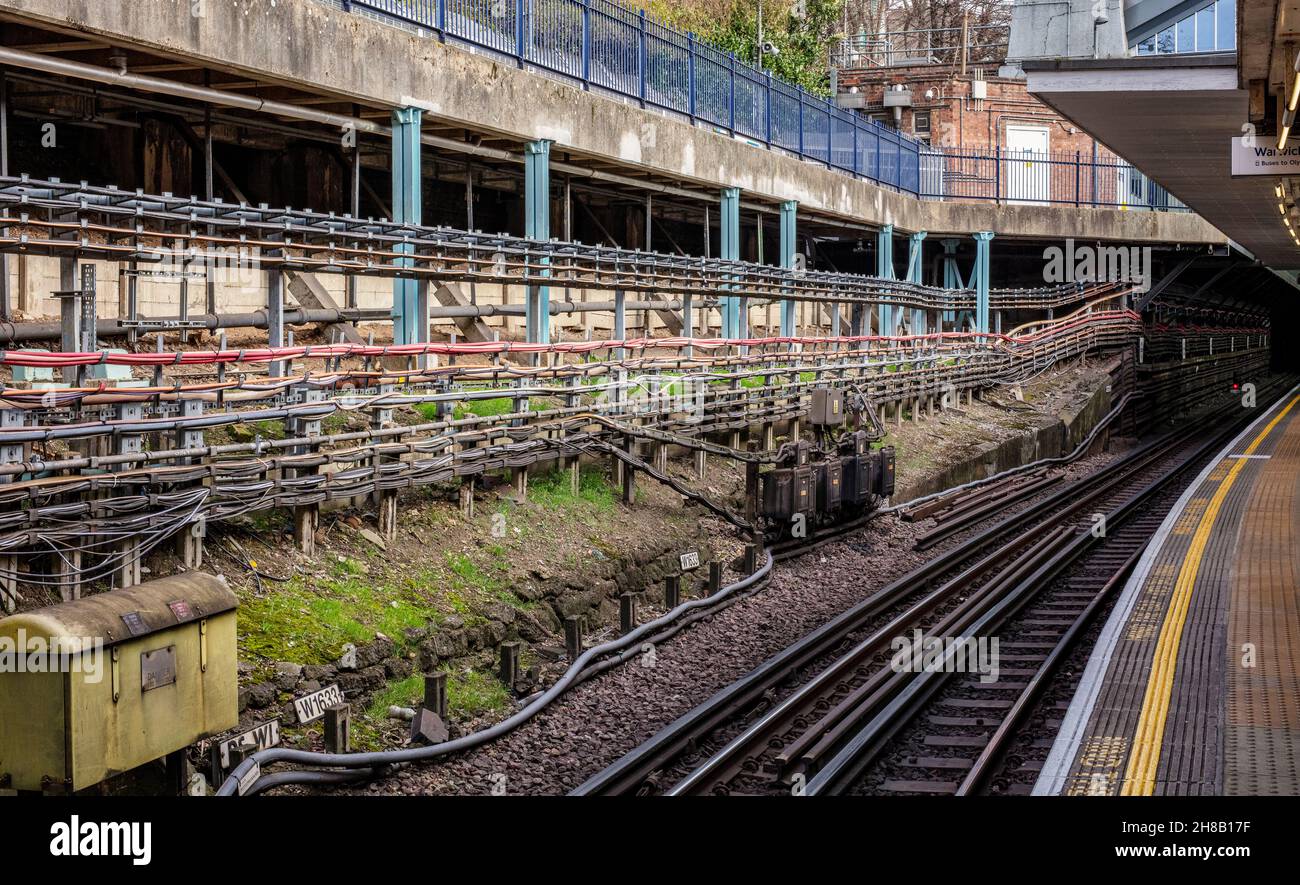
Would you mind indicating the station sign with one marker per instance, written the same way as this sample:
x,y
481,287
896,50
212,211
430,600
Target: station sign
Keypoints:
x,y
1261,157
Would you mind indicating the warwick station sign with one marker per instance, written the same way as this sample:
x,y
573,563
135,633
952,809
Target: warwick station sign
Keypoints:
x,y
1262,157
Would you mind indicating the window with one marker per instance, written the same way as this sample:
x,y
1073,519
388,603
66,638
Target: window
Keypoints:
x,y
1205,30
1225,12
1212,27
921,122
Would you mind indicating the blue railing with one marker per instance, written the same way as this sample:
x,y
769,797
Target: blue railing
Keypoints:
x,y
605,45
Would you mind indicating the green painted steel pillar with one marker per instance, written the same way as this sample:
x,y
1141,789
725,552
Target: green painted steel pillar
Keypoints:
x,y
951,278
915,267
406,311
788,306
537,226
981,281
732,324
885,270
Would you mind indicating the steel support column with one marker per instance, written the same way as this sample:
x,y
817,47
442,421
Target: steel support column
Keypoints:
x,y
981,279
788,305
406,210
951,278
537,223
885,270
729,250
914,271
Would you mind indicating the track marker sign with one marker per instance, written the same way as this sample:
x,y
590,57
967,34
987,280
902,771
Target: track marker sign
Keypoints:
x,y
690,560
260,737
312,707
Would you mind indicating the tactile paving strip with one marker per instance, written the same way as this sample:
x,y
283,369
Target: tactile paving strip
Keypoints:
x,y
1261,755
1228,728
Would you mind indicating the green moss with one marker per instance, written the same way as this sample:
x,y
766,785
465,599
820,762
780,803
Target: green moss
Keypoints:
x,y
309,620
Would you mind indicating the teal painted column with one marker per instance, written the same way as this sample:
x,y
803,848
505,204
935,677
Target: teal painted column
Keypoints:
x,y
788,306
914,272
730,251
885,270
951,277
406,210
981,281
537,226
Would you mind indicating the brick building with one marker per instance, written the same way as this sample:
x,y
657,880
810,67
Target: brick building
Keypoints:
x,y
983,109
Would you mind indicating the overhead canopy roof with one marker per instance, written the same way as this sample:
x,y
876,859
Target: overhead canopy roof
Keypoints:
x,y
1173,117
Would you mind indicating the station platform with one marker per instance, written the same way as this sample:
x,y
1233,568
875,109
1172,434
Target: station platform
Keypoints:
x,y
1194,685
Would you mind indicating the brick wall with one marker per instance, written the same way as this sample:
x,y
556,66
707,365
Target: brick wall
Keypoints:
x,y
956,119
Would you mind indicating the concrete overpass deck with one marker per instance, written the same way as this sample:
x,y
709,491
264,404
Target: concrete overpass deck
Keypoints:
x,y
302,54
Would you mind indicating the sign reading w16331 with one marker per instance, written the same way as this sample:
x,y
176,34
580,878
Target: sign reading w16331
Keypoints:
x,y
312,707
1258,155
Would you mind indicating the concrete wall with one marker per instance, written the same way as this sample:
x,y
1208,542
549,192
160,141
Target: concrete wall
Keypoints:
x,y
310,44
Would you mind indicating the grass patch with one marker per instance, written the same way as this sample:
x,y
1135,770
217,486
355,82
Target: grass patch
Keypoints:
x,y
483,408
471,693
553,491
408,692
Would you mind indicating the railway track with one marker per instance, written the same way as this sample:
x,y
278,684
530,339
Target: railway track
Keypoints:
x,y
820,715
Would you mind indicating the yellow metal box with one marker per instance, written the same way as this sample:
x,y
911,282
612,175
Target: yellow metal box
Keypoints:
x,y
104,684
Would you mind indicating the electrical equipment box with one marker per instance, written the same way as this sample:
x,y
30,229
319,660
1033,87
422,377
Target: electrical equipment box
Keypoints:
x,y
776,494
104,684
885,472
827,407
802,490
830,484
856,479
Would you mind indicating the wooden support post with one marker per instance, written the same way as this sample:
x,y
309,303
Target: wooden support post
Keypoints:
x,y
573,637
672,591
466,493
751,489
519,480
575,475
626,613
769,436
629,475
306,517
435,693
509,670
9,595
66,568
385,499
338,729
715,577
701,463
127,574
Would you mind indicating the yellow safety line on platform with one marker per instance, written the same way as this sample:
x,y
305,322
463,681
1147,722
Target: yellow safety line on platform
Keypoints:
x,y
1144,758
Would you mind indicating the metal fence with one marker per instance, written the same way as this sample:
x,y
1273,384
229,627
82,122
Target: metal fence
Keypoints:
x,y
607,46
1040,178
604,45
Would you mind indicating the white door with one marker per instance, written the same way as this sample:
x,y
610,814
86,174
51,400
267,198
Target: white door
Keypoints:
x,y
1026,170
